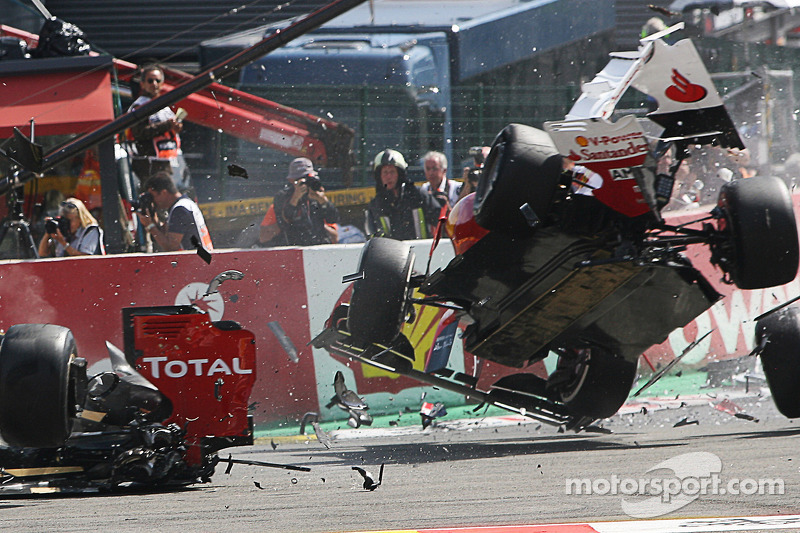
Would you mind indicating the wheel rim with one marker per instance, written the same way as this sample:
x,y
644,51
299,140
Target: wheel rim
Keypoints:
x,y
571,389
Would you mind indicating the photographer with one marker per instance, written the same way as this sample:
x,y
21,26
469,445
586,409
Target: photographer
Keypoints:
x,y
304,214
73,232
156,141
472,174
184,218
444,190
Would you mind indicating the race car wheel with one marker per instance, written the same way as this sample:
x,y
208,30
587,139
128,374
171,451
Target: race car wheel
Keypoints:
x,y
523,167
761,249
37,401
780,335
378,305
599,381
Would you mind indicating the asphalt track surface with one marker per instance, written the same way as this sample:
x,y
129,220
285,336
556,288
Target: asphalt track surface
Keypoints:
x,y
479,472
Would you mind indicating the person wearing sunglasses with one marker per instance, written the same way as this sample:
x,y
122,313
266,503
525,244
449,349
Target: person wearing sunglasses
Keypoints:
x,y
74,232
156,143
184,227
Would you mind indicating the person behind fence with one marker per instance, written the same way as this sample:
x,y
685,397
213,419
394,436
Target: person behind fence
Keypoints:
x,y
73,232
399,210
304,214
156,140
184,219
444,190
471,175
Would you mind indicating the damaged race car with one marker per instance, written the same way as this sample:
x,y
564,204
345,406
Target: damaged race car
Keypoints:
x,y
563,248
177,394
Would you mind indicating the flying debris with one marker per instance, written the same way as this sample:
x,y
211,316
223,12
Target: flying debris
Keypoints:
x,y
202,252
322,437
430,411
776,309
369,480
686,422
309,417
663,11
351,402
213,286
236,171
658,375
284,340
728,407
231,461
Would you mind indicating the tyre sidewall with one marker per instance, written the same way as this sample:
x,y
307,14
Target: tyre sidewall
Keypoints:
x,y
35,408
780,358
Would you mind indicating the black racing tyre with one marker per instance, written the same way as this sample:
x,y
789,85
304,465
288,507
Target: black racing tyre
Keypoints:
x,y
600,384
36,409
378,304
522,167
758,220
780,358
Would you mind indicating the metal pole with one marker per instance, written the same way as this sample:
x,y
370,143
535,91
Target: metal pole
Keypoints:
x,y
224,68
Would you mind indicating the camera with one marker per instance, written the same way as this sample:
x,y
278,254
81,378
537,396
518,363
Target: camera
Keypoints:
x,y
474,175
52,225
145,204
312,182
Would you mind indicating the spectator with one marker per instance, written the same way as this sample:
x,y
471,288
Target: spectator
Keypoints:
x,y
157,143
304,214
84,236
471,175
184,218
269,233
399,210
444,190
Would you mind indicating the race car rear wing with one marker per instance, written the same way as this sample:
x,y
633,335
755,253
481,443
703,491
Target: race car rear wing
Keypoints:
x,y
689,108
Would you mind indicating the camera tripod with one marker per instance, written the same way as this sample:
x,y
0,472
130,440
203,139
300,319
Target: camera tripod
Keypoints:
x,y
16,240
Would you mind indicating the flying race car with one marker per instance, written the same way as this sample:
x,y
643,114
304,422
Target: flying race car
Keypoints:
x,y
563,249
178,393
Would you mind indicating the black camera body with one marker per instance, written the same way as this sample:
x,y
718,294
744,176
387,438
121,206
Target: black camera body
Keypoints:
x,y
145,204
52,225
474,175
313,182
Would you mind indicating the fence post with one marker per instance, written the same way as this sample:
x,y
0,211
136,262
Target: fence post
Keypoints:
x,y
363,156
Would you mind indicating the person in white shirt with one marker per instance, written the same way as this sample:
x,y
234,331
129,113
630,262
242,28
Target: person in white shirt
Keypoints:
x,y
437,184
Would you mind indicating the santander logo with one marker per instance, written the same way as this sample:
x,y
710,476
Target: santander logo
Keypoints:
x,y
683,90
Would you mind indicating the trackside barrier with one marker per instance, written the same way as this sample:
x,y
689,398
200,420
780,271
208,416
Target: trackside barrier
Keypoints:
x,y
297,289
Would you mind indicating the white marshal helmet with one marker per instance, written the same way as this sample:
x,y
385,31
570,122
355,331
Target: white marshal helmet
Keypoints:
x,y
390,157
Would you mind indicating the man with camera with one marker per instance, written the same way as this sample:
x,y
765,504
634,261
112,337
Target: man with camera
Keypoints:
x,y
472,174
184,219
436,183
304,214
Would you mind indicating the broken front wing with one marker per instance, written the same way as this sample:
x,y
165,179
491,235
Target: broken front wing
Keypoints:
x,y
526,397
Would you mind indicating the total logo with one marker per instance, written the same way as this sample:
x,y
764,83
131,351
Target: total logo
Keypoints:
x,y
198,367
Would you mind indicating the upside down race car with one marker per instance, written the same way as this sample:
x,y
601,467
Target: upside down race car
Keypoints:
x,y
563,248
177,394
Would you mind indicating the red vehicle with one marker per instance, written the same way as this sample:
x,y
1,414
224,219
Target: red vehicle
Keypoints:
x,y
178,393
563,250
179,389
